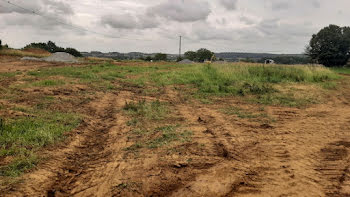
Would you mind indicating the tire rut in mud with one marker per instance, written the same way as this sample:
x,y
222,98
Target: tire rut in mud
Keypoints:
x,y
90,154
234,174
335,167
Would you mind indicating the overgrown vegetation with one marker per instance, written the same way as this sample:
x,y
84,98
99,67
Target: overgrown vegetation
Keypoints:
x,y
243,79
21,53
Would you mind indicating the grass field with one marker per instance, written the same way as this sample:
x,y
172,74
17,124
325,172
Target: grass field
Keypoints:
x,y
39,107
342,70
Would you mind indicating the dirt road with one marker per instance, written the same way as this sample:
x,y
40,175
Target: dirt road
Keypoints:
x,y
303,152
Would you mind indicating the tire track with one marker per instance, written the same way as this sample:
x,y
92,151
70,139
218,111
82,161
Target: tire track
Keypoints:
x,y
234,174
90,154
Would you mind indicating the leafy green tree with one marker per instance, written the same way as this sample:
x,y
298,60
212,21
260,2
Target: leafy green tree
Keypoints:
x,y
204,54
73,52
330,46
179,59
148,58
191,55
160,57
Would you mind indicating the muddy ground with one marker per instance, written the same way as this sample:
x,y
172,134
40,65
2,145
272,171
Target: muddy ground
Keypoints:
x,y
302,152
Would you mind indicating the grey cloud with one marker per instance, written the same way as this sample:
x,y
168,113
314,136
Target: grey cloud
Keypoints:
x,y
59,7
316,3
274,28
53,14
205,31
284,5
181,11
39,6
229,4
128,21
246,20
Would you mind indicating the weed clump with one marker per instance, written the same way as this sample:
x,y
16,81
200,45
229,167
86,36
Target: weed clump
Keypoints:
x,y
154,110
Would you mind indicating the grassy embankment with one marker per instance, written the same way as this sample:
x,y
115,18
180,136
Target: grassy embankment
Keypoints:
x,y
25,53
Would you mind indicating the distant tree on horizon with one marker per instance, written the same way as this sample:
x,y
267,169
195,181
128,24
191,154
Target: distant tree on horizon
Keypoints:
x,y
160,57
200,55
330,46
191,55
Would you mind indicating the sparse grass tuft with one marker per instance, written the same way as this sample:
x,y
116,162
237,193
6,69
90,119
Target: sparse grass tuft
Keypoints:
x,y
47,83
155,110
161,136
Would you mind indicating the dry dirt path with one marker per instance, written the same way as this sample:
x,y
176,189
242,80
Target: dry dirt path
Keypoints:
x,y
306,152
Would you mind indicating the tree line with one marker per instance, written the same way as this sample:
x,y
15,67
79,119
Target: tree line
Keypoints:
x,y
53,48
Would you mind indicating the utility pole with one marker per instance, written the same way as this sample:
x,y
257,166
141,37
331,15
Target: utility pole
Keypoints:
x,y
180,47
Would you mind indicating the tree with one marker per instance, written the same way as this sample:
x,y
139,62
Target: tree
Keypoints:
x,y
330,46
203,54
0,45
148,58
191,55
179,59
73,52
160,57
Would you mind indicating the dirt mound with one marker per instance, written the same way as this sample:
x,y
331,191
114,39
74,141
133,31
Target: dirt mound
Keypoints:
x,y
186,61
37,51
61,57
31,59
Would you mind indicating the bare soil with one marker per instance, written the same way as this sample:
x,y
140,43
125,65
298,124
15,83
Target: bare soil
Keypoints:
x,y
303,152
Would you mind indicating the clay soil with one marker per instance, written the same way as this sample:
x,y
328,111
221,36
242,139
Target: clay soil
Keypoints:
x,y
302,152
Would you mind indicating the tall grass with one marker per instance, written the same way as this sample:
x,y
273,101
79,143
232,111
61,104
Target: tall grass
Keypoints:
x,y
242,79
21,53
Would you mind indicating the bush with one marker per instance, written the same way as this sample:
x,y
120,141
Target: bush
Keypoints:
x,y
160,57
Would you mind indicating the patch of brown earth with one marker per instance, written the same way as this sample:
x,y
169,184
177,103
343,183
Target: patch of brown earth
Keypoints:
x,y
305,152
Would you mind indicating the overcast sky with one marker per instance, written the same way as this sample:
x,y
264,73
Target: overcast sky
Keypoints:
x,y
275,26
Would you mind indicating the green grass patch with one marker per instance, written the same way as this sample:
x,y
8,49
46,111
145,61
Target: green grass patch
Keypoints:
x,y
22,137
49,83
341,70
8,74
287,99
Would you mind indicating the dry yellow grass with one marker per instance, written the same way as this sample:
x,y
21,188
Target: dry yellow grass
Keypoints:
x,y
24,53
